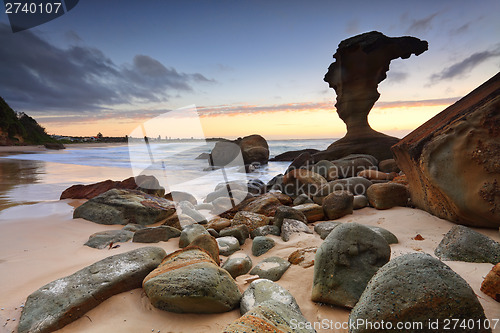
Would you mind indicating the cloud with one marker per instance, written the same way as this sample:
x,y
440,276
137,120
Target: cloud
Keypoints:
x,y
396,77
352,27
422,25
466,65
461,29
36,75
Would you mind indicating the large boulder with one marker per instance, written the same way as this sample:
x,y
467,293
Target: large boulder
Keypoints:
x,y
161,233
189,281
63,301
251,220
286,212
387,195
238,264
148,184
253,148
124,207
464,244
338,204
347,259
491,283
302,181
271,268
452,162
419,289
356,88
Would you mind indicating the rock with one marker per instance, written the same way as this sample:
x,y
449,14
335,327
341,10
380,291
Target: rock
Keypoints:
x,y
63,301
464,244
123,207
148,184
271,268
174,221
251,220
347,259
388,166
302,181
285,212
271,316
227,245
302,199
265,204
283,198
189,233
209,244
188,209
263,290
238,264
54,146
431,292
303,257
103,239
452,162
254,148
213,232
223,204
356,88
219,223
261,244
388,236
222,192
303,161
133,227
491,283
323,229
225,152
156,234
326,169
266,230
359,201
350,165
375,175
189,281
239,231
338,204
204,206
291,227
291,155
275,184
179,196
312,212
355,185
387,195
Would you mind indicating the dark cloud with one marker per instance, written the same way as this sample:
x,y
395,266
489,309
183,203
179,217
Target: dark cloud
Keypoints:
x,y
461,29
463,67
422,25
36,75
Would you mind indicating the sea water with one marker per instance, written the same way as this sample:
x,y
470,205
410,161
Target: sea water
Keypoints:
x,y
174,163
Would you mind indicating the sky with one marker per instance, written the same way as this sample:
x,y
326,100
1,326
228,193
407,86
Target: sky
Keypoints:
x,y
246,66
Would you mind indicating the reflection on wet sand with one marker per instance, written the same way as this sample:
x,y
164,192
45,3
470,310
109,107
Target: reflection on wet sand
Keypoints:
x,y
16,173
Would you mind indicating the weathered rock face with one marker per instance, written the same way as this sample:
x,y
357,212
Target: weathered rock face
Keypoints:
x,y
338,204
417,288
148,184
238,264
102,239
262,290
464,244
361,64
154,235
491,283
387,195
291,227
452,162
253,148
125,206
261,244
64,300
251,220
189,281
348,258
271,316
302,181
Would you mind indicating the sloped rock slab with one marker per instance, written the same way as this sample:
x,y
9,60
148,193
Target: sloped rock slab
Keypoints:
x,y
124,207
271,268
62,301
102,239
464,244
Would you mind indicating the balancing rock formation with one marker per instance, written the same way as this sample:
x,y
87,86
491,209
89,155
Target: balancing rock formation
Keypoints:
x,y
361,64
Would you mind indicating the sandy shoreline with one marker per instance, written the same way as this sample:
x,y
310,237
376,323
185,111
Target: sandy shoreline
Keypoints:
x,y
5,150
46,244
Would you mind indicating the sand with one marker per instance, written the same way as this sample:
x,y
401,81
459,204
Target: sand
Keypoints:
x,y
4,150
44,243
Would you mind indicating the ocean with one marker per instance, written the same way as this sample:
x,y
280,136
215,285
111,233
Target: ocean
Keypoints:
x,y
30,178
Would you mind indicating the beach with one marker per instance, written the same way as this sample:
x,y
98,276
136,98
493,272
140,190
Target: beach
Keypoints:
x,y
41,242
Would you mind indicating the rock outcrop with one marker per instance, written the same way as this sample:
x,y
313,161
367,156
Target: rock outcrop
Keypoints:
x,y
361,64
452,162
189,281
253,149
63,301
147,184
417,288
124,207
